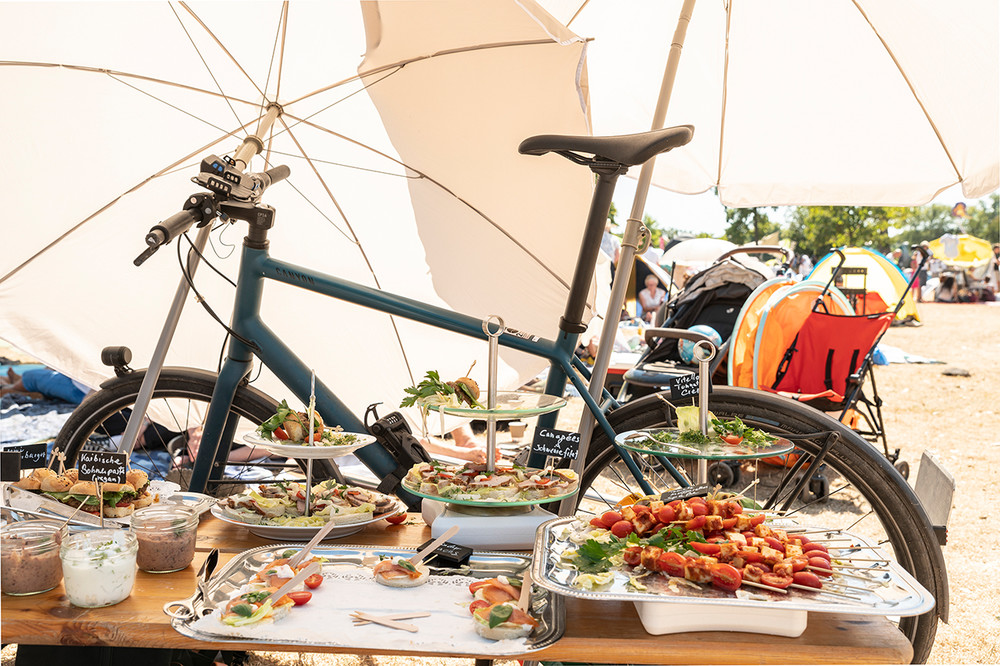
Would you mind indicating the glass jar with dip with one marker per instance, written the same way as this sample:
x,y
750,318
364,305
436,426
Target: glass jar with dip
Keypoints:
x,y
29,557
166,535
98,567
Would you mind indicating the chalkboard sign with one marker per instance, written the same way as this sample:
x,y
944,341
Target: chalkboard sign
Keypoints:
x,y
10,466
102,466
447,554
32,455
558,443
699,490
685,386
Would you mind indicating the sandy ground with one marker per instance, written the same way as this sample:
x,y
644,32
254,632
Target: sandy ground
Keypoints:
x,y
956,417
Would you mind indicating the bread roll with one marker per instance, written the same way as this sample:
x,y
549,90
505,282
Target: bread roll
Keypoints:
x,y
83,488
56,484
28,483
118,511
137,478
385,569
42,473
73,474
117,488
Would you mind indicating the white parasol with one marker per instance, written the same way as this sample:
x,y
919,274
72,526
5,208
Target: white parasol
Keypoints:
x,y
406,177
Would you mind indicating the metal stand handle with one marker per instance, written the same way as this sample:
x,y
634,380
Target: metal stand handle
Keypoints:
x,y
491,387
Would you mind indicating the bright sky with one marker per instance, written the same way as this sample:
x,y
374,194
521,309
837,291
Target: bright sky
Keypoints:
x,y
704,213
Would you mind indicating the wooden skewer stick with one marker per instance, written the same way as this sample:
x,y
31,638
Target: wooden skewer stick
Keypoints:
x,y
837,584
290,585
766,587
864,559
525,599
319,536
392,624
848,566
358,620
824,591
418,558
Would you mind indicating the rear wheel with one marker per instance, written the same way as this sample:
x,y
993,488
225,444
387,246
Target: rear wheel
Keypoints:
x,y
858,491
176,412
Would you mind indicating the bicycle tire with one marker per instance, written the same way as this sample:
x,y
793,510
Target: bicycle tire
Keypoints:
x,y
893,502
173,384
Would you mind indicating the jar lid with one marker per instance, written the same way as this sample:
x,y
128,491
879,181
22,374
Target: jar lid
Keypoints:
x,y
32,536
165,517
98,545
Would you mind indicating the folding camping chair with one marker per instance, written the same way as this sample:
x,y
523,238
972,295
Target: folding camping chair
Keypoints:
x,y
829,361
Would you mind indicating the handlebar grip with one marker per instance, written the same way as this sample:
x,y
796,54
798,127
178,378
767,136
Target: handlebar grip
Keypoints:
x,y
167,230
278,173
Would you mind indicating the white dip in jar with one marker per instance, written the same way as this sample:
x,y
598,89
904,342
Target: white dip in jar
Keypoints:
x,y
29,557
98,567
166,536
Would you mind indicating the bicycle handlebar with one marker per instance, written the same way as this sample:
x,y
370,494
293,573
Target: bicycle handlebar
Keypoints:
x,y
272,176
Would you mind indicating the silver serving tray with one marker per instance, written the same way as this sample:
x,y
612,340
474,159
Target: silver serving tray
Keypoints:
x,y
547,608
888,590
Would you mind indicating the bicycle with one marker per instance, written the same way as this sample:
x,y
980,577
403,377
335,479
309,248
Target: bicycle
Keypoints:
x,y
877,494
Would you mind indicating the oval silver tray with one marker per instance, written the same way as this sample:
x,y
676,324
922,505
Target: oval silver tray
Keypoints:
x,y
546,607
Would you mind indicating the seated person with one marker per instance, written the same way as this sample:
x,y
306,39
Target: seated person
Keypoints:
x,y
651,298
947,290
48,382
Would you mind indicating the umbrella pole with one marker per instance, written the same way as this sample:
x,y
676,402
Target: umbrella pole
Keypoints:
x,y
634,231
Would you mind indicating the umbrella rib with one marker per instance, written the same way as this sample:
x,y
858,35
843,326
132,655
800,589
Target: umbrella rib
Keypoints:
x,y
165,102
429,179
202,57
281,51
402,63
223,48
725,93
357,242
111,203
909,84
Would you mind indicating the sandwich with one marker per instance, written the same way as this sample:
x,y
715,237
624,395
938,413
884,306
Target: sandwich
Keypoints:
x,y
117,499
254,606
139,481
398,572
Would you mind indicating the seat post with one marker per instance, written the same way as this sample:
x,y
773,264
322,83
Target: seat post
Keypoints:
x,y
590,246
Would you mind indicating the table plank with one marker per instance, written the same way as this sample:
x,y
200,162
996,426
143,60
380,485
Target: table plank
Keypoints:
x,y
595,631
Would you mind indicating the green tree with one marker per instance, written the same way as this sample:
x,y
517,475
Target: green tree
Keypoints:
x,y
815,229
748,225
984,219
924,223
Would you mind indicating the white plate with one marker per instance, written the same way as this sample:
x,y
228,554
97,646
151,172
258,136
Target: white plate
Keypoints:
x,y
290,533
304,452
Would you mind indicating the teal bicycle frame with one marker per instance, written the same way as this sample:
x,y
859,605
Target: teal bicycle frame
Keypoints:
x,y
256,266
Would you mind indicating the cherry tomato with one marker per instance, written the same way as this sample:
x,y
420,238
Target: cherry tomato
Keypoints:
x,y
622,529
731,439
641,508
695,523
610,518
802,540
397,519
726,577
632,555
757,519
774,543
706,548
820,566
774,580
313,581
799,563
812,545
597,522
675,505
697,499
728,523
818,553
477,604
666,514
280,433
699,508
476,584
300,597
671,563
808,579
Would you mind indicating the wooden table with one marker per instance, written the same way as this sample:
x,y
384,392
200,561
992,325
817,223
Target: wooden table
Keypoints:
x,y
604,632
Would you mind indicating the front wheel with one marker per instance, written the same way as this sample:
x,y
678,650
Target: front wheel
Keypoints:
x,y
177,410
855,488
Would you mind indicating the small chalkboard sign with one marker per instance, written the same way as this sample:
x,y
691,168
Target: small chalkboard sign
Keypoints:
x,y
447,554
685,386
699,490
102,466
557,443
32,455
10,466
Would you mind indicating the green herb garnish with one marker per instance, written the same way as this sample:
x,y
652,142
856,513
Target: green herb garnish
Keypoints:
x,y
430,386
244,610
500,614
256,597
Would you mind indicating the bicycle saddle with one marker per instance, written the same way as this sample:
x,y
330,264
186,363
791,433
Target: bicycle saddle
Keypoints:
x,y
628,149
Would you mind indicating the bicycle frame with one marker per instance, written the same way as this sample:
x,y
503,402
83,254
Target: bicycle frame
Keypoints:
x,y
257,266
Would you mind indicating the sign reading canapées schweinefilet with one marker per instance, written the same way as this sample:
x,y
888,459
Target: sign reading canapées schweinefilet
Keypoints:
x,y
557,443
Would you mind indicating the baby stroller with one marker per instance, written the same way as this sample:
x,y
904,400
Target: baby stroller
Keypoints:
x,y
713,297
812,346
